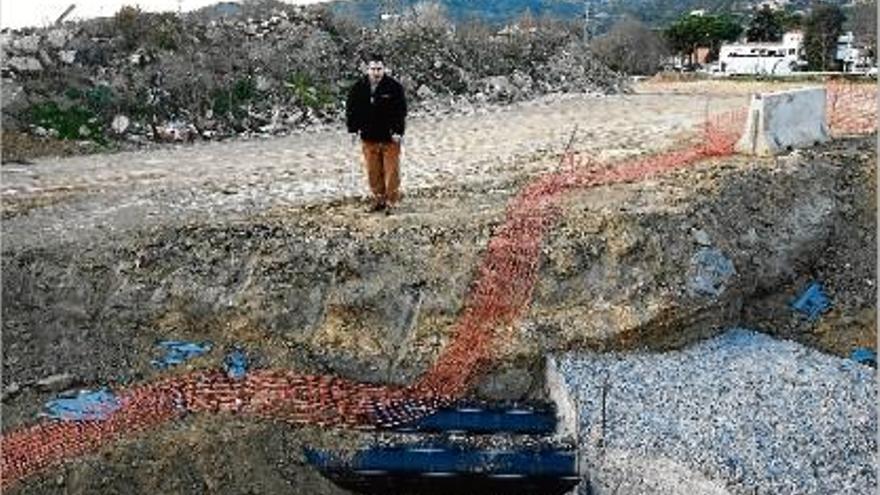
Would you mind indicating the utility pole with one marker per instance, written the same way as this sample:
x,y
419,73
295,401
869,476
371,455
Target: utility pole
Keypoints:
x,y
65,14
587,5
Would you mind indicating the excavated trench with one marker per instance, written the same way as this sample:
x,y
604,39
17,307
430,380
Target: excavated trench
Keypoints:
x,y
328,289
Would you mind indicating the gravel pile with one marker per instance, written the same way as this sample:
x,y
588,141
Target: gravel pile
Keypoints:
x,y
740,413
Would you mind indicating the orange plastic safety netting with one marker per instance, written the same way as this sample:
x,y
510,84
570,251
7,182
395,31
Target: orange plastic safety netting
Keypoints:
x,y
501,291
851,107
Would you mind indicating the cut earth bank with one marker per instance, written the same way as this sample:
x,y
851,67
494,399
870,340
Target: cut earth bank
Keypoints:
x,y
652,265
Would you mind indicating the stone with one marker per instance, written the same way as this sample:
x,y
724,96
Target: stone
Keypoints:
x,y
263,83
25,64
498,86
424,92
56,383
10,391
10,93
27,44
67,56
523,82
701,237
508,385
177,131
709,272
120,124
58,38
45,58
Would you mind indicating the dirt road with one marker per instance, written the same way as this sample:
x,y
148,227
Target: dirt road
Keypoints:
x,y
64,199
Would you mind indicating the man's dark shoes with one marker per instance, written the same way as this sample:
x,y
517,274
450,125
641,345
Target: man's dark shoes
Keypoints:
x,y
376,207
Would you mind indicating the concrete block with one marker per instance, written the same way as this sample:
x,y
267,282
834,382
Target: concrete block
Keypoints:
x,y
784,120
566,409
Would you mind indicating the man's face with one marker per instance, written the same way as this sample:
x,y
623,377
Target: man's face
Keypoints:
x,y
375,70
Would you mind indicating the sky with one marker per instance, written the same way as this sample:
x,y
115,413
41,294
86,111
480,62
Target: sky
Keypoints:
x,y
21,13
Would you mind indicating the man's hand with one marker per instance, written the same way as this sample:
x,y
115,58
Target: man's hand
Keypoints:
x,y
397,138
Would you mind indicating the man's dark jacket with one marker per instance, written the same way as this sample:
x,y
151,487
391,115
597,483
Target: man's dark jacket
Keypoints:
x,y
378,115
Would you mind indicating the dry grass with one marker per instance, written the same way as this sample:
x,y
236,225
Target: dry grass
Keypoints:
x,y
18,147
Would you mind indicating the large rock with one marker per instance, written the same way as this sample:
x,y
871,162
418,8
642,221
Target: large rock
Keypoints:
x,y
11,95
120,124
498,88
24,64
58,38
742,413
28,45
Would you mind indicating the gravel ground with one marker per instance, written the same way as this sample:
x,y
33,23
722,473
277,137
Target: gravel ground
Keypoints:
x,y
742,413
75,198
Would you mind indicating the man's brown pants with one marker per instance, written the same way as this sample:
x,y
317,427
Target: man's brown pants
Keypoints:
x,y
383,170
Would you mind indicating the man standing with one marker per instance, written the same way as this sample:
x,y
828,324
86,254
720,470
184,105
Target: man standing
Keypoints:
x,y
376,109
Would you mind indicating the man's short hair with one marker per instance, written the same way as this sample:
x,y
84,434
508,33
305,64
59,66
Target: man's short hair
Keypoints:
x,y
376,57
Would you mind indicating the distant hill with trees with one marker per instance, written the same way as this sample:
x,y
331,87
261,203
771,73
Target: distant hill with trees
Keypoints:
x,y
605,13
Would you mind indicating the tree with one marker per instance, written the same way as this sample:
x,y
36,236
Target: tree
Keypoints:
x,y
766,25
631,47
863,23
693,31
791,21
821,30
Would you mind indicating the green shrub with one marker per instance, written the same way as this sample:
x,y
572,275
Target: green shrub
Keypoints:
x,y
166,32
231,100
142,29
67,121
129,24
308,92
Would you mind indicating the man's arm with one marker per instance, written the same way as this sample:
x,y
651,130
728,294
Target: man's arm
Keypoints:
x,y
398,126
351,117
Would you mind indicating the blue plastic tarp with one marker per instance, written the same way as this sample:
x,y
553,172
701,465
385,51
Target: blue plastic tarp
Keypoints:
x,y
812,302
178,351
863,355
236,364
85,406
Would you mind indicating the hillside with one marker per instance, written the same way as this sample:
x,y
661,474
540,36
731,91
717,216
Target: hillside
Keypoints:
x,y
605,12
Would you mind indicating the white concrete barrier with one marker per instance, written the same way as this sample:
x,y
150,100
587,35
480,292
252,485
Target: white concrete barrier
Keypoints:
x,y
566,409
784,120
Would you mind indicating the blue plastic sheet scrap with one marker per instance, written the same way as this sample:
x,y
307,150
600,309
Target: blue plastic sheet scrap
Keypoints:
x,y
236,364
86,405
863,355
812,302
178,351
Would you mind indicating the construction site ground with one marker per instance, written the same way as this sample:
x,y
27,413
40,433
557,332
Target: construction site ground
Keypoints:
x,y
65,220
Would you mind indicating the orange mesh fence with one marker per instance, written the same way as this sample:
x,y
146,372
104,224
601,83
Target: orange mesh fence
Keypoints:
x,y
500,293
851,108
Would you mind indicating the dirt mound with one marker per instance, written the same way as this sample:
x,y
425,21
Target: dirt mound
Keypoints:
x,y
138,77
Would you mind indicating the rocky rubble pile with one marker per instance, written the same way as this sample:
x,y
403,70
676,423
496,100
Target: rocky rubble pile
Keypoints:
x,y
267,68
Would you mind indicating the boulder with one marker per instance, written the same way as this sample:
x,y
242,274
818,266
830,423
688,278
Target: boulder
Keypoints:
x,y
120,124
25,64
58,38
28,45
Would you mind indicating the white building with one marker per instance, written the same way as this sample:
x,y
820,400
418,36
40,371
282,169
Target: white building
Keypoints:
x,y
780,58
852,58
774,5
